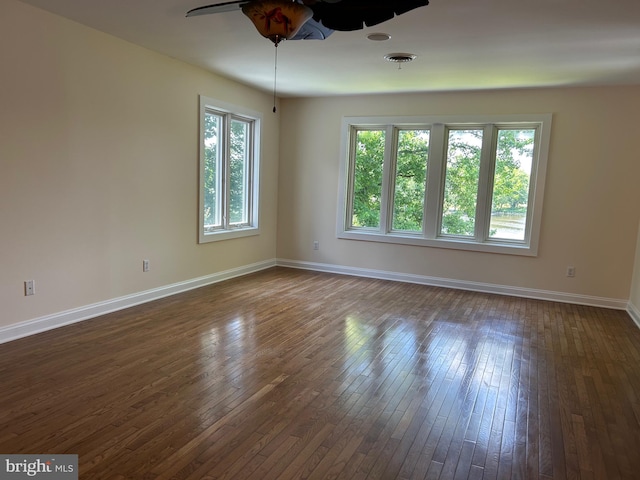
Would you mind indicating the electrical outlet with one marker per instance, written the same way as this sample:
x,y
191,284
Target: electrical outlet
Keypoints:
x,y
29,288
145,265
571,271
316,245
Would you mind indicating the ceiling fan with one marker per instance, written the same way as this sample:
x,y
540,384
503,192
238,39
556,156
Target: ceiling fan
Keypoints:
x,y
311,19
280,20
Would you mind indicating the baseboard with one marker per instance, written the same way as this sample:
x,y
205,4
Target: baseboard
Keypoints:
x,y
634,313
562,297
56,320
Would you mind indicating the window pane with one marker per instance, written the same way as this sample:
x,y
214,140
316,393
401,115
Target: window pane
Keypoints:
x,y
514,157
212,171
461,182
239,172
367,191
411,174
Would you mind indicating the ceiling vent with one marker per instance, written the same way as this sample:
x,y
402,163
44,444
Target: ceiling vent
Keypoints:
x,y
400,57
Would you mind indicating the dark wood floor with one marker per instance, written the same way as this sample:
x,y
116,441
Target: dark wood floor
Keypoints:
x,y
290,374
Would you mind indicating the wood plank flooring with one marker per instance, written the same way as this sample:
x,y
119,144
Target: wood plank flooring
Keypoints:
x,y
288,374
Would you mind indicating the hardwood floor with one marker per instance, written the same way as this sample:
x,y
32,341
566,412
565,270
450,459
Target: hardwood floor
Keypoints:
x,y
290,374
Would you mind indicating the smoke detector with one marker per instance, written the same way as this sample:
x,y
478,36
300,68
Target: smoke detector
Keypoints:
x,y
379,37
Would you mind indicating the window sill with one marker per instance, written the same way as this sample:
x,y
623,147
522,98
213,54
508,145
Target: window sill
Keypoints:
x,y
505,248
228,234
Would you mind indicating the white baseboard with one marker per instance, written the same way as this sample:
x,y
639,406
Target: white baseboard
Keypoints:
x,y
613,303
634,313
49,322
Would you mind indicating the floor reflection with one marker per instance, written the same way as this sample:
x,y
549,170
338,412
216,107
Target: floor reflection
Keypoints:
x,y
445,368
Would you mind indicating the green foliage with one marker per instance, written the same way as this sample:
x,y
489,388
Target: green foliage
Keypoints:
x,y
411,176
214,170
461,182
510,187
367,191
511,183
238,171
211,194
413,148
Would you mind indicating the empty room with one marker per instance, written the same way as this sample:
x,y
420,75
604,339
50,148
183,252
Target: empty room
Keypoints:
x,y
319,239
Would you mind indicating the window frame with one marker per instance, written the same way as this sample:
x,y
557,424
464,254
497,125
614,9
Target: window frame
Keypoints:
x,y
229,112
435,178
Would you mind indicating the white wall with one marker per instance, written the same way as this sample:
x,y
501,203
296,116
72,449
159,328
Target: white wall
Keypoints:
x,y
592,199
98,167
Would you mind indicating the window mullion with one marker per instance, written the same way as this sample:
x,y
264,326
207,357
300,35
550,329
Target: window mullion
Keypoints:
x,y
388,178
485,183
226,167
434,184
533,180
250,174
350,174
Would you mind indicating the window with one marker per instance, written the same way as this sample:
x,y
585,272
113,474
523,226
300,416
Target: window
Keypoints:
x,y
229,156
454,182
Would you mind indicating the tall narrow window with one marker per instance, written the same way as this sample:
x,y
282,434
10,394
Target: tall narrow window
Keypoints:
x,y
229,154
464,148
212,180
512,179
367,184
240,172
410,178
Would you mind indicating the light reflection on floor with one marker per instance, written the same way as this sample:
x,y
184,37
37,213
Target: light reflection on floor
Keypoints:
x,y
467,370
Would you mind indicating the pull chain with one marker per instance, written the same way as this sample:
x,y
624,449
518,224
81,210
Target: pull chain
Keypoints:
x,y
275,74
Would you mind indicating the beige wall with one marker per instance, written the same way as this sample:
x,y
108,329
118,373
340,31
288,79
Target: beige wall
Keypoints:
x,y
98,167
98,170
592,199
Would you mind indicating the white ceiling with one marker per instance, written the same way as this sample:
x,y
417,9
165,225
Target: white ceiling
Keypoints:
x,y
460,44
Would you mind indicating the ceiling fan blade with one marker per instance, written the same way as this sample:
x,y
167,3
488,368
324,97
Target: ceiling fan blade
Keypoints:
x,y
235,5
330,15
312,30
217,8
348,15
